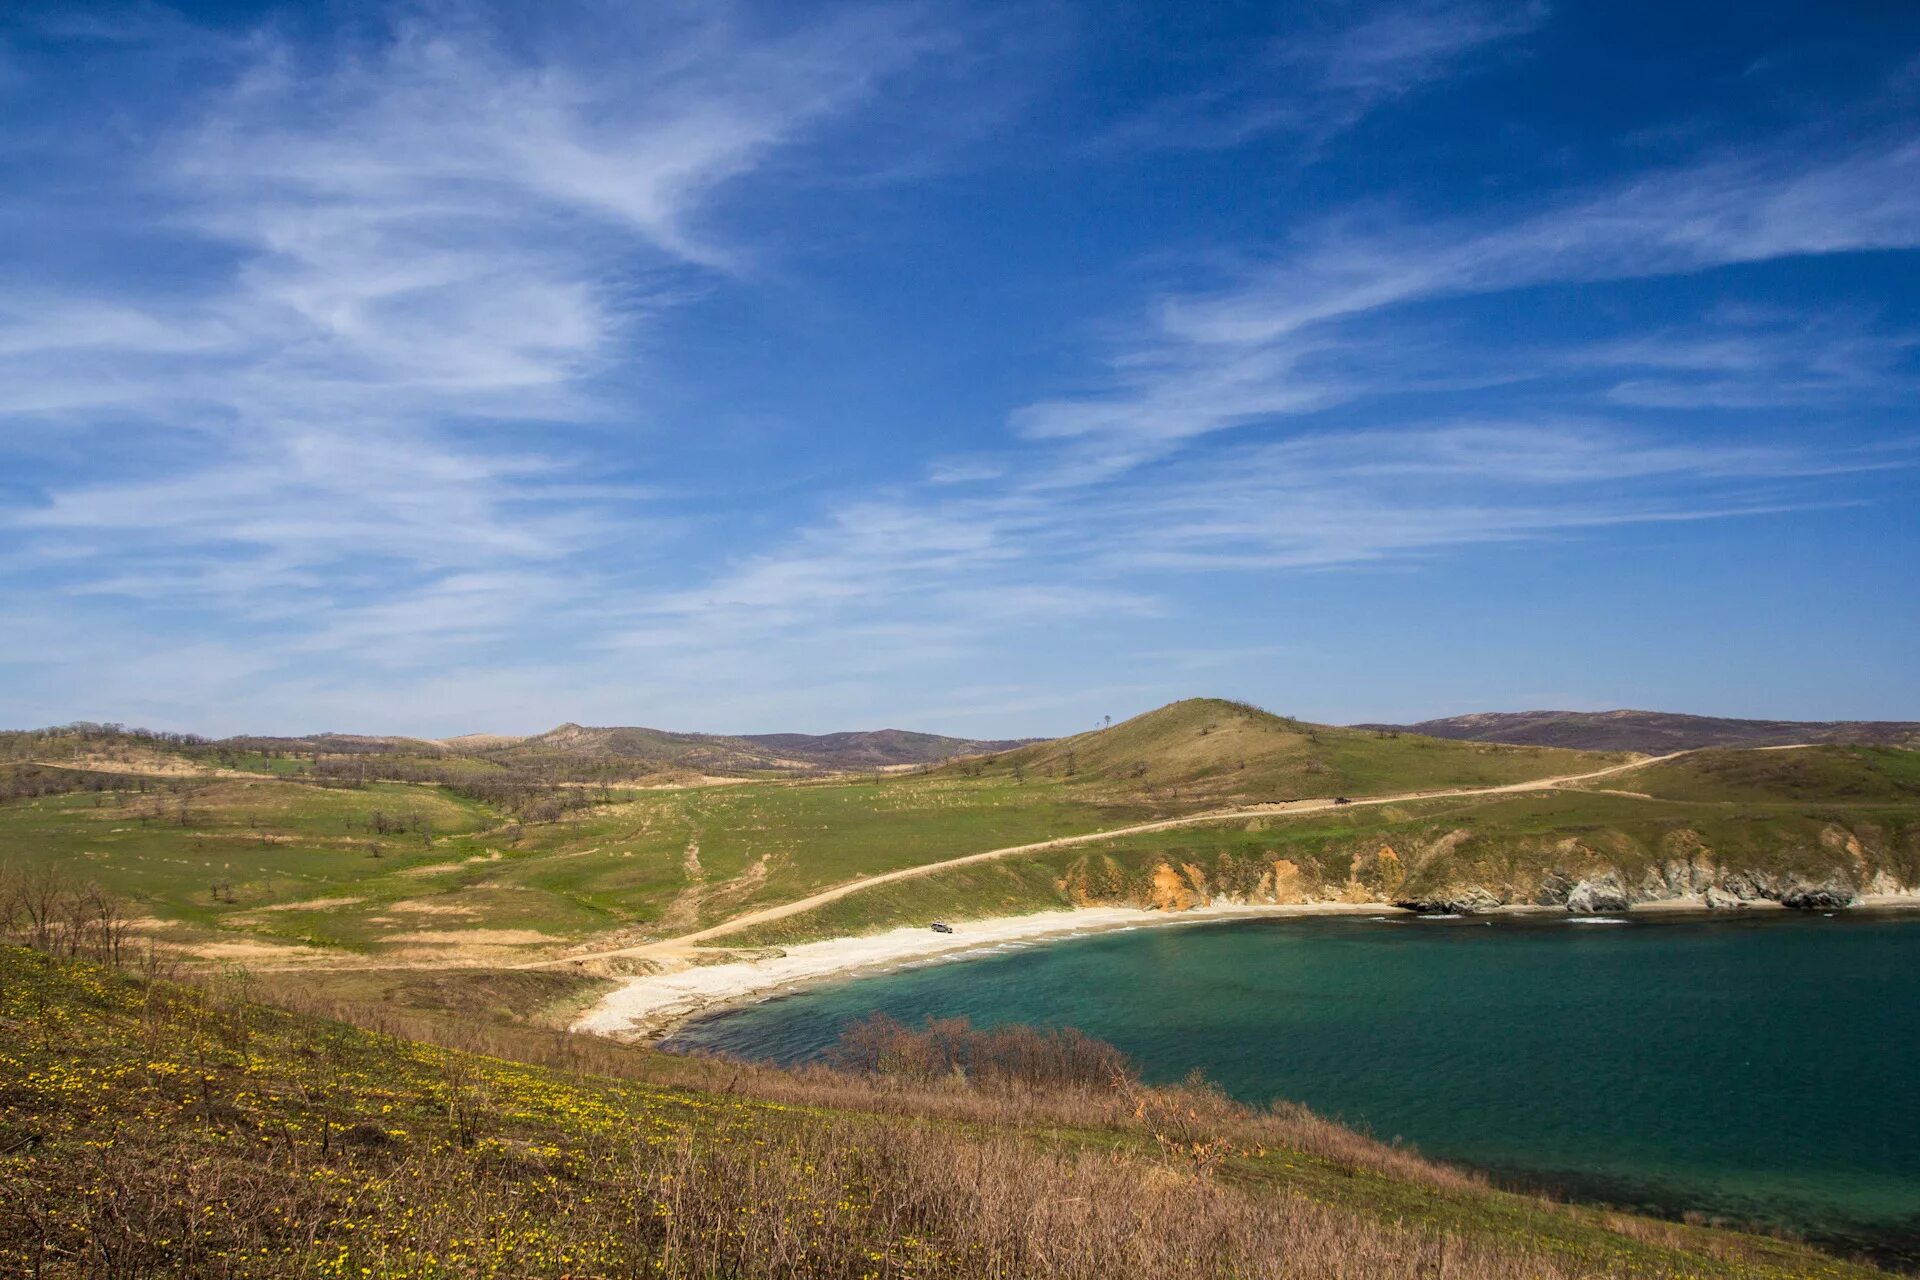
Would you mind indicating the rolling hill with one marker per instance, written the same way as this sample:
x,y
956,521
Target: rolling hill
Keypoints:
x,y
1215,751
507,854
1817,828
1651,732
655,751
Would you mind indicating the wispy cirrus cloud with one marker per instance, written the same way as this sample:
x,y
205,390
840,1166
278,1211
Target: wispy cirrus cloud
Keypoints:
x,y
1289,338
414,250
954,571
1735,358
1316,81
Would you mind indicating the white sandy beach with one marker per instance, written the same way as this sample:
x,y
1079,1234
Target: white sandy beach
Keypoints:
x,y
651,1005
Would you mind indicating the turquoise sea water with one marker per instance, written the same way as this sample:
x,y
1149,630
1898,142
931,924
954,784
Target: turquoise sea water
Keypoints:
x,y
1760,1069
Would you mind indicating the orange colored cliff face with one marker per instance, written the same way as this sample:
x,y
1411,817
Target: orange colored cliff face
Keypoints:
x,y
1171,890
1389,869
1286,881
1376,875
1841,840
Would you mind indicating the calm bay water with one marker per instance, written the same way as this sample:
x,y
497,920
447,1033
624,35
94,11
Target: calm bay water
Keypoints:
x,y
1763,1069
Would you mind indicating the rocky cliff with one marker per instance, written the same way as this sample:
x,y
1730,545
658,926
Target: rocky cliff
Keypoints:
x,y
1810,866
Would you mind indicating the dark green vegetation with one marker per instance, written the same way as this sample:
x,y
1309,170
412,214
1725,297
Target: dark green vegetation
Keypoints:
x,y
1652,732
151,1129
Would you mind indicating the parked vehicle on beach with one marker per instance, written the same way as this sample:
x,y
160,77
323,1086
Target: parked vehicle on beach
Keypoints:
x,y
941,926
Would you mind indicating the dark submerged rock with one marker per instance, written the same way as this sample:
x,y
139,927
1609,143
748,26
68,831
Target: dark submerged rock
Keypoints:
x,y
1826,897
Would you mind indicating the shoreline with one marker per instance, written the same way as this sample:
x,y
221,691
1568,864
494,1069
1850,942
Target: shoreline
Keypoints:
x,y
650,1007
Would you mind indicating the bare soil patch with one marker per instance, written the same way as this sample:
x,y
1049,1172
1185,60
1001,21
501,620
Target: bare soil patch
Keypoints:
x,y
474,938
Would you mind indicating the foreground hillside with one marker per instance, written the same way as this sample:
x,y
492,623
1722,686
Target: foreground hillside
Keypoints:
x,y
148,1129
1652,732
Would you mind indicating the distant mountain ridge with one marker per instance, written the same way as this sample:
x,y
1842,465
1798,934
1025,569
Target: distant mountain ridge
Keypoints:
x,y
851,749
1652,732
870,748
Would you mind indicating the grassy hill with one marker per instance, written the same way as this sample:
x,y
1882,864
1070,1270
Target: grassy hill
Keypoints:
x,y
129,1108
1209,749
151,1129
1844,774
1652,732
1756,825
471,862
284,870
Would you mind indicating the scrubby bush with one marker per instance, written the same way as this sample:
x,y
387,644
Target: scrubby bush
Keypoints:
x,y
1016,1056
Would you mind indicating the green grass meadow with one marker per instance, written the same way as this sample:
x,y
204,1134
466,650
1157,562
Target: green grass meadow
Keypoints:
x,y
418,872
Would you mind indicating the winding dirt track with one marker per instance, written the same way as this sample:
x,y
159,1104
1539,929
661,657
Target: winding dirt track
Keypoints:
x,y
671,949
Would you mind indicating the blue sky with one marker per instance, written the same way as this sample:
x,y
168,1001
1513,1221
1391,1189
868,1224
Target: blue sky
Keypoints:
x,y
983,368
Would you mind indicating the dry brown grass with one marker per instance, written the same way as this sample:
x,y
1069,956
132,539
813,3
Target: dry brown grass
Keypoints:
x,y
996,1099
171,1131
151,1128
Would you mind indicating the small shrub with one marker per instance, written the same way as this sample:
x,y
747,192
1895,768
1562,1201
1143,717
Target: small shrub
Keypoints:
x,y
1002,1056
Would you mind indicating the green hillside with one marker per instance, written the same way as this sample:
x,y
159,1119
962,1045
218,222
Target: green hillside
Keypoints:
x,y
150,1129
468,862
285,870
418,871
1214,751
1847,774
1748,823
770,754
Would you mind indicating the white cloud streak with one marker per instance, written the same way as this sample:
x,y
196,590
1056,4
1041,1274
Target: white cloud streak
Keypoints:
x,y
1271,347
1311,85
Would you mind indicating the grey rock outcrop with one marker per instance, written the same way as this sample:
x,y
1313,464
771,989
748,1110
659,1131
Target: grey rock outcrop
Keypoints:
x,y
1598,893
1457,900
1830,896
1553,890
